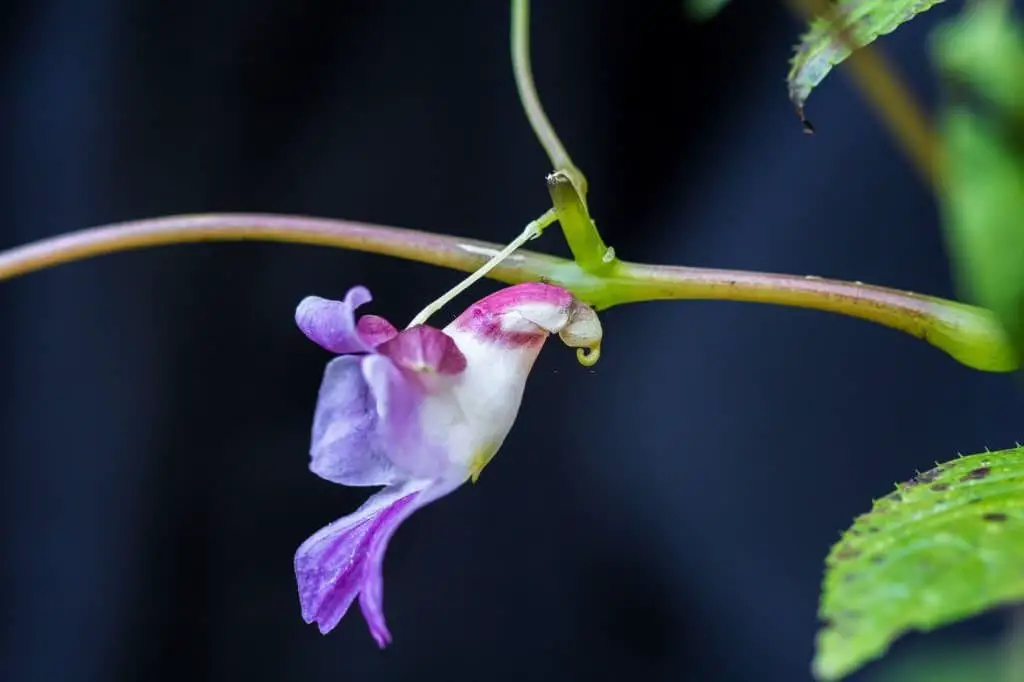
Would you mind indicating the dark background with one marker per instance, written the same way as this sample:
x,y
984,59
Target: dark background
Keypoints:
x,y
662,517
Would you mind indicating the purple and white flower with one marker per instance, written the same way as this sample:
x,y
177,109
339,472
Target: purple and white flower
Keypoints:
x,y
418,411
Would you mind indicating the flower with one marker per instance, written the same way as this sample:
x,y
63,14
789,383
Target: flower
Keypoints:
x,y
418,411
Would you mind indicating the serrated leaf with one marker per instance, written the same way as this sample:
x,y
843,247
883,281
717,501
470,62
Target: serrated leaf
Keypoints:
x,y
704,9
980,57
943,546
822,47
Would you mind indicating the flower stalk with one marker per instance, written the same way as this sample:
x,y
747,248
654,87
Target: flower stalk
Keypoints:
x,y
532,231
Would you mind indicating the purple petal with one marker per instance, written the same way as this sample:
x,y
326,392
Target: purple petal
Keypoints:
x,y
371,598
424,349
345,447
335,563
332,324
399,399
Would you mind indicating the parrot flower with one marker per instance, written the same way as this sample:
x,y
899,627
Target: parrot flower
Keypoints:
x,y
418,411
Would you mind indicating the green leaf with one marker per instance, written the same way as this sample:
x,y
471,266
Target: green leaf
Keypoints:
x,y
943,546
823,47
702,10
980,663
980,58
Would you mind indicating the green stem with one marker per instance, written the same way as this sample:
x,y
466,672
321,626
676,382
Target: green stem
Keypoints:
x,y
588,249
446,251
567,184
523,72
969,334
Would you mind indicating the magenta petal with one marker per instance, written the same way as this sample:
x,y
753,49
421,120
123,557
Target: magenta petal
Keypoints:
x,y
331,567
332,324
375,330
346,447
424,349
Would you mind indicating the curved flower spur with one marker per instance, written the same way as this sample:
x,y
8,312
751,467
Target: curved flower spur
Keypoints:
x,y
418,411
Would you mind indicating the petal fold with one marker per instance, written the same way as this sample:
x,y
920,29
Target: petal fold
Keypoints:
x,y
346,446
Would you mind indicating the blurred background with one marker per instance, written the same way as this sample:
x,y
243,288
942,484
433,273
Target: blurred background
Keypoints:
x,y
664,516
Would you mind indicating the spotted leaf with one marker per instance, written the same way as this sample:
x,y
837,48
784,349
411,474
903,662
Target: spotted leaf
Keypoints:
x,y
945,545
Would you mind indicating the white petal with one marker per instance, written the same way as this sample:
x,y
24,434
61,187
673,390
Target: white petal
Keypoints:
x,y
473,417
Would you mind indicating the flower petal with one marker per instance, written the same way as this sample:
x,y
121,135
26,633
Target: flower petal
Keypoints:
x,y
375,330
345,446
521,315
371,598
399,402
424,349
330,566
332,325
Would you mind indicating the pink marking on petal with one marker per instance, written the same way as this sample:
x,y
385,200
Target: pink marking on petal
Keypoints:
x,y
484,318
424,349
514,296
